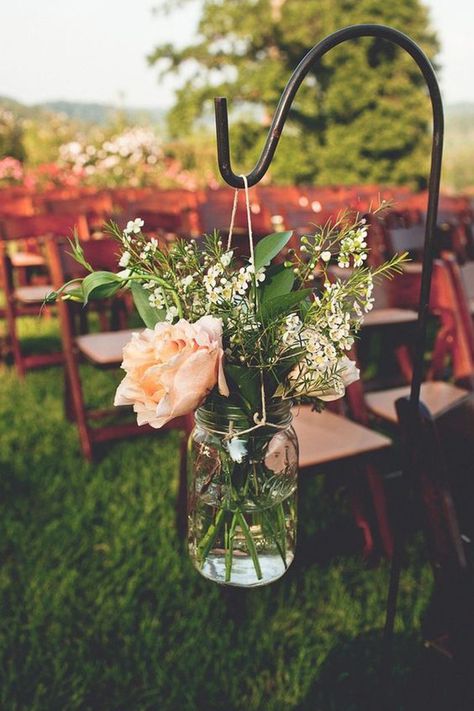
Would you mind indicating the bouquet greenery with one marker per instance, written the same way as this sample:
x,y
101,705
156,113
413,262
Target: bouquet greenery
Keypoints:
x,y
239,340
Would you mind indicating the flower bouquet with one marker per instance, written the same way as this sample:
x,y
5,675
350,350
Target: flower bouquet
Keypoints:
x,y
239,341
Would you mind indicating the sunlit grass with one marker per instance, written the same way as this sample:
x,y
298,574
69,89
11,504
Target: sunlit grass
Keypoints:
x,y
101,608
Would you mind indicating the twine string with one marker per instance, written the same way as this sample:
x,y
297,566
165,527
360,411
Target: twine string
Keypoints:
x,y
232,219
260,421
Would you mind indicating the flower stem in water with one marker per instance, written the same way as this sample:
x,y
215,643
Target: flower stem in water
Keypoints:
x,y
211,535
250,543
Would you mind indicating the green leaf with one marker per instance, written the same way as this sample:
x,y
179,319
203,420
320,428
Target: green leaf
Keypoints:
x,y
74,295
269,247
279,280
248,383
148,314
281,304
100,285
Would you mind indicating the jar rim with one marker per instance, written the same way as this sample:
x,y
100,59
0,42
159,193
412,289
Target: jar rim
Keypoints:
x,y
218,414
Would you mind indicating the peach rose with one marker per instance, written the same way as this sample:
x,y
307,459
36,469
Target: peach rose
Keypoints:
x,y
171,368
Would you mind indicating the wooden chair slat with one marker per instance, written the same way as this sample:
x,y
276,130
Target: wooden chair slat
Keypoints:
x,y
326,437
436,395
33,294
389,317
104,348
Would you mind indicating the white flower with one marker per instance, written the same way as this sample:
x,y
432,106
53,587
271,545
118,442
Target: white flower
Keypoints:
x,y
157,299
237,449
227,258
133,226
124,259
171,314
326,256
305,382
187,281
124,274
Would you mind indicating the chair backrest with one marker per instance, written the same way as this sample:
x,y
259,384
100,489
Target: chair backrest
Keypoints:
x,y
407,239
101,254
155,221
99,205
454,336
167,201
215,213
467,275
36,226
461,280
16,206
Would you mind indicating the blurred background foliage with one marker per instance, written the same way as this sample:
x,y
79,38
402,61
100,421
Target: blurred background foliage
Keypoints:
x,y
362,116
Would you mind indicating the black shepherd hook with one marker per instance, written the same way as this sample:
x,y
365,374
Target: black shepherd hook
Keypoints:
x,y
263,163
275,131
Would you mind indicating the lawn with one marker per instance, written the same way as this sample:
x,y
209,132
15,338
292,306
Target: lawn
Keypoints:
x,y
101,608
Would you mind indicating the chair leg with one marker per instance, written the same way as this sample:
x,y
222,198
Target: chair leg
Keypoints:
x,y
402,355
68,403
379,503
14,341
364,512
359,511
73,384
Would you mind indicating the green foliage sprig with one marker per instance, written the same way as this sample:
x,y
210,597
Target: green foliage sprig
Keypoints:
x,y
287,325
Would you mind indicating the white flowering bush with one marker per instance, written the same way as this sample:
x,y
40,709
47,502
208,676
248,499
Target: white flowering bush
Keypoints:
x,y
287,327
130,156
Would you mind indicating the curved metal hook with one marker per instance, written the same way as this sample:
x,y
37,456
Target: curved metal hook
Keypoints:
x,y
276,128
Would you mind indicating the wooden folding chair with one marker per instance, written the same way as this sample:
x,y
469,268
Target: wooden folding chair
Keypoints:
x,y
24,299
103,350
328,438
438,450
452,340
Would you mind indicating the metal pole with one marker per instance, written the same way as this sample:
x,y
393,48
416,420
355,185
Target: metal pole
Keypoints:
x,y
264,161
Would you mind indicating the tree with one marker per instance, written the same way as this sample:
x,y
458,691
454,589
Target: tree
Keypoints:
x,y
11,136
363,115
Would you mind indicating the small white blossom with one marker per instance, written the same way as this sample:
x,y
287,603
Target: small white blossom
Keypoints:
x,y
171,314
125,259
187,281
227,258
133,226
326,256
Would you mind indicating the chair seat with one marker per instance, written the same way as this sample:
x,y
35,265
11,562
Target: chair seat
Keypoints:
x,y
104,348
325,437
27,259
389,317
436,395
33,294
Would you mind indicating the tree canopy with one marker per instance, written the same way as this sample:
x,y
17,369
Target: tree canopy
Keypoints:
x,y
362,115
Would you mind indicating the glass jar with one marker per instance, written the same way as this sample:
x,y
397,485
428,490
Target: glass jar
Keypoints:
x,y
242,494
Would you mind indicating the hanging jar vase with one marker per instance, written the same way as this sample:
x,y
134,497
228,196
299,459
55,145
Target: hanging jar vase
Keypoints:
x,y
242,494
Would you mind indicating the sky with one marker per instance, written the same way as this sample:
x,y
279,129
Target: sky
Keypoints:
x,y
95,50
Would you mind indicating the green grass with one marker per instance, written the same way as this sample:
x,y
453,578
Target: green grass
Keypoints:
x,y
101,608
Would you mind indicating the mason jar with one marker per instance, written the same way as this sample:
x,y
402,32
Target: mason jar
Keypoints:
x,y
242,494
